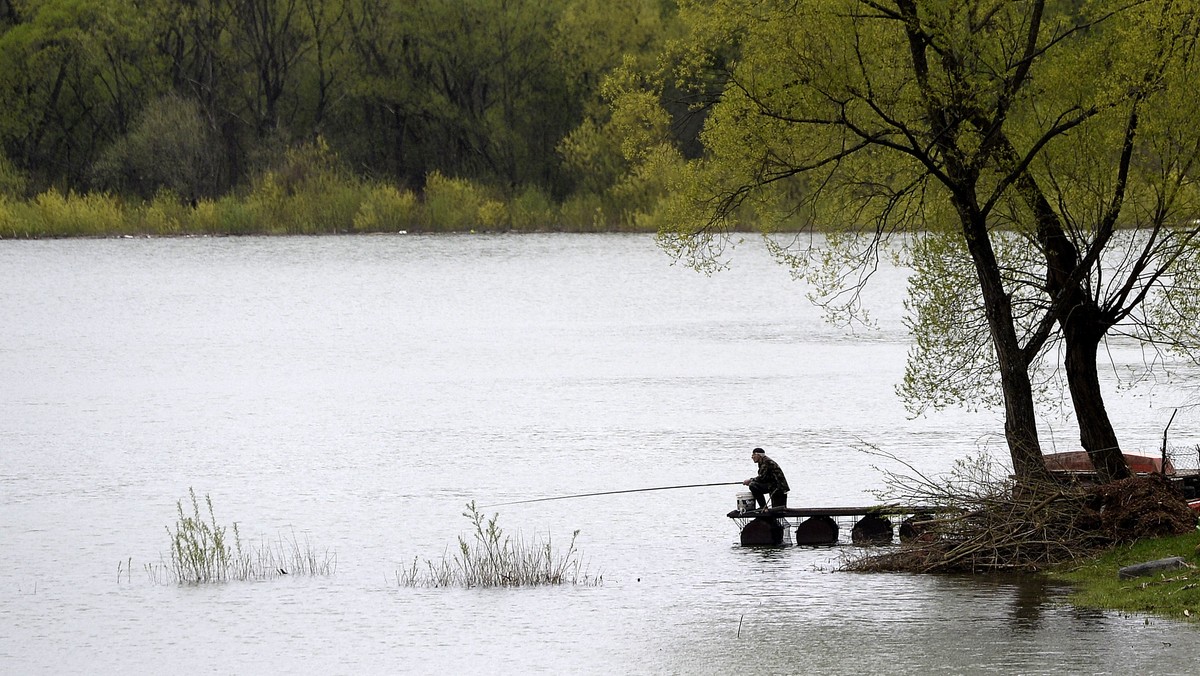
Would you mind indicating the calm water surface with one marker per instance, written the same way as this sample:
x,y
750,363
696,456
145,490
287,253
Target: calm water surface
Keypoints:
x,y
360,390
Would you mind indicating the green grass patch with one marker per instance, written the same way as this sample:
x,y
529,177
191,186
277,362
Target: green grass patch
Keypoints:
x,y
1174,593
494,559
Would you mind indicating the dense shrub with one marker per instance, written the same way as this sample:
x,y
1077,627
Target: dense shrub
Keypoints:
x,y
584,212
532,209
453,204
309,192
170,147
53,214
385,208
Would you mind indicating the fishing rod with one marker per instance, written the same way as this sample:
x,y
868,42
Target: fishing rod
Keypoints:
x,y
631,490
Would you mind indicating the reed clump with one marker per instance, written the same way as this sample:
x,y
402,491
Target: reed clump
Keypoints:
x,y
202,552
493,559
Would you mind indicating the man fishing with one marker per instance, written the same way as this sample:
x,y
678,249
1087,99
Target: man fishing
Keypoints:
x,y
770,480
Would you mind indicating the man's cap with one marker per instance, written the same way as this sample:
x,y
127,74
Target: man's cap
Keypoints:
x,y
758,450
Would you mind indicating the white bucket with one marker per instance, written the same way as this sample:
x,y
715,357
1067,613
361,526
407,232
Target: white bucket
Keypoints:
x,y
745,502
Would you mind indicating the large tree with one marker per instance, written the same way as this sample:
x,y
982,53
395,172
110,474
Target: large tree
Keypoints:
x,y
74,75
469,88
1039,142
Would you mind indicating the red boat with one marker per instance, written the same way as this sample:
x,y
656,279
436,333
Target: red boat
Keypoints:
x,y
1079,462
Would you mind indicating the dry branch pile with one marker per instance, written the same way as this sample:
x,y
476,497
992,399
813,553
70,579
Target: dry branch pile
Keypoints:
x,y
1140,507
994,524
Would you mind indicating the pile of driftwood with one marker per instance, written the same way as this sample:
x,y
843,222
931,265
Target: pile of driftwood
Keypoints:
x,y
992,523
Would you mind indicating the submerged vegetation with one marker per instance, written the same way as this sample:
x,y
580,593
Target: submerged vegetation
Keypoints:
x,y
201,552
495,559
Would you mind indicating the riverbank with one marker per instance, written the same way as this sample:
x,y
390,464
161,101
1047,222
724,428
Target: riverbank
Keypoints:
x,y
1173,594
310,192
328,204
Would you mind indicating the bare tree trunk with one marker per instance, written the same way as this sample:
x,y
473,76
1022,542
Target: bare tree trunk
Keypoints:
x,y
1020,414
1084,325
1082,333
962,178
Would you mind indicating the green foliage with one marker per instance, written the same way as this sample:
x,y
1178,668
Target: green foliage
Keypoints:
x,y
229,215
468,89
456,204
592,157
952,360
10,225
585,212
164,215
170,147
386,209
942,292
532,210
640,194
75,73
53,214
596,38
203,98
592,37
494,559
967,137
1180,298
320,203
12,180
309,192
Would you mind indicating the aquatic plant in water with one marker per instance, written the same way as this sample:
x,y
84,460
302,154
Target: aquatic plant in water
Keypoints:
x,y
201,552
494,559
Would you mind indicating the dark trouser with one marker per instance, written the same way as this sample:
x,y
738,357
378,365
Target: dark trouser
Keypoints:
x,y
778,498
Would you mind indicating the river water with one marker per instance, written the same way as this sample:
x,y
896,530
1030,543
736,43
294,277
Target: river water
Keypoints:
x,y
359,391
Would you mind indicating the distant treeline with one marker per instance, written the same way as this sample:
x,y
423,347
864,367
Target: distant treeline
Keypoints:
x,y
326,115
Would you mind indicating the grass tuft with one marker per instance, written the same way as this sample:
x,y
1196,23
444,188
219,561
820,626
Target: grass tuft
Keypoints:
x,y
202,552
493,559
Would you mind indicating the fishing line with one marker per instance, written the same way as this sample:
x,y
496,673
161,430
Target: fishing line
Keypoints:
x,y
631,490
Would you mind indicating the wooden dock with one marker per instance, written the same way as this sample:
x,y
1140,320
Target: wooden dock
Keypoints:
x,y
873,524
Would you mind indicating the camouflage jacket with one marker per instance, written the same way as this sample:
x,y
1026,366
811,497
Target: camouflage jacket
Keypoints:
x,y
770,477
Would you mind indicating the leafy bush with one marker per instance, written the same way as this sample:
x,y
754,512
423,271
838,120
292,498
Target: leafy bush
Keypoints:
x,y
231,216
170,147
532,209
584,212
54,214
454,204
309,192
164,215
11,225
492,215
637,198
386,209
